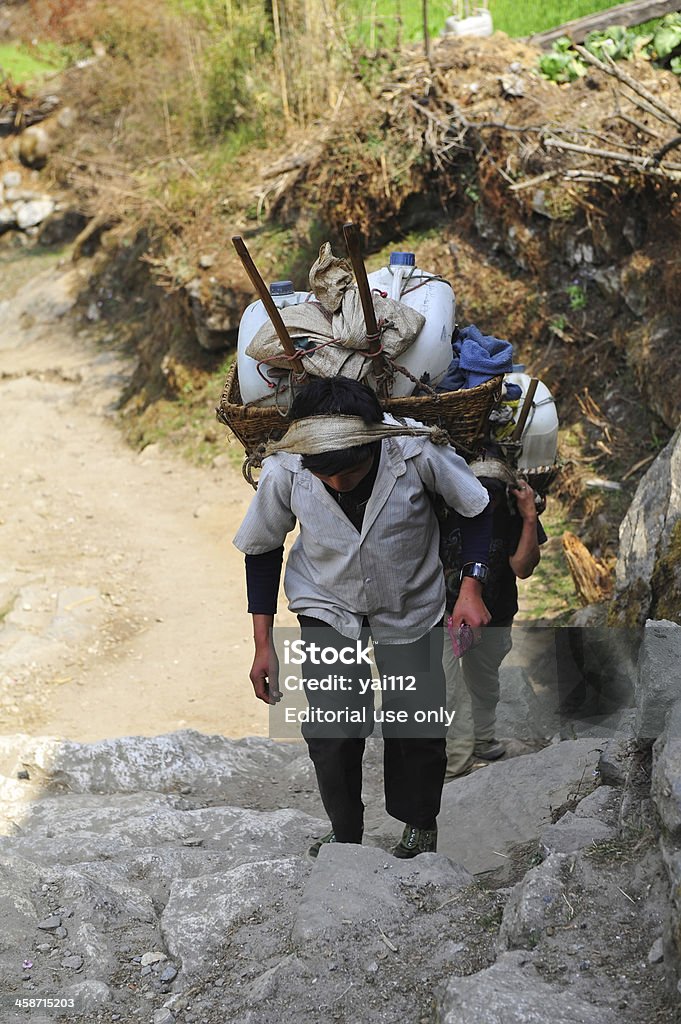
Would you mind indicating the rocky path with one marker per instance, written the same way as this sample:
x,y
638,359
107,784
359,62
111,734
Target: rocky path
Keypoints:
x,y
121,596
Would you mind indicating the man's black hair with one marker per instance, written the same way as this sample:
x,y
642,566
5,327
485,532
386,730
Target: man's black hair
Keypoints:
x,y
337,395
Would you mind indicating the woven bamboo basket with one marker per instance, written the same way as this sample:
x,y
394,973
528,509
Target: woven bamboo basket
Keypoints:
x,y
463,414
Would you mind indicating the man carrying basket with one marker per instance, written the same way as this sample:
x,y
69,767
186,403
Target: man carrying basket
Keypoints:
x,y
365,565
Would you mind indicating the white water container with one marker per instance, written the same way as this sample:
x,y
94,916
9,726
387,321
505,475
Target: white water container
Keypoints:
x,y
253,386
540,435
478,24
431,352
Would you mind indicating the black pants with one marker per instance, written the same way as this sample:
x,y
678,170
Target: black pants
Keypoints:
x,y
414,756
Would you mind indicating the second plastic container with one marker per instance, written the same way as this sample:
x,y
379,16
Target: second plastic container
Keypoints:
x,y
431,352
540,435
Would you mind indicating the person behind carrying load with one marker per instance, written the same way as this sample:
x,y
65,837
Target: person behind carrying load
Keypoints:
x,y
473,680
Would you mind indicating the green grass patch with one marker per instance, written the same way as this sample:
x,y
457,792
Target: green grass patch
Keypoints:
x,y
550,592
29,63
384,22
524,19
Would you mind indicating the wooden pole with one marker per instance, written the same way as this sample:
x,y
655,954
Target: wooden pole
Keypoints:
x,y
351,235
525,411
279,50
267,301
426,37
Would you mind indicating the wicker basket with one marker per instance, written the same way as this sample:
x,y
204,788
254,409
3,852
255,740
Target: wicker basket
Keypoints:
x,y
463,414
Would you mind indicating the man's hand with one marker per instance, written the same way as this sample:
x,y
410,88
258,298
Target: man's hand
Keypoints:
x,y
525,500
525,558
470,607
264,673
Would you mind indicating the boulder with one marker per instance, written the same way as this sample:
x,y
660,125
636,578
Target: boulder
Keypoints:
x,y
648,572
513,992
216,311
35,144
613,764
665,786
485,814
355,887
671,939
571,833
520,712
76,828
164,764
201,911
536,903
33,212
658,687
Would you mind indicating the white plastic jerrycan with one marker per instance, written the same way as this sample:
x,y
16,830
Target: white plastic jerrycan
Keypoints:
x,y
253,380
431,352
540,435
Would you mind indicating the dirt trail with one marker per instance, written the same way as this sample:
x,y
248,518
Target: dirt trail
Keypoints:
x,y
121,597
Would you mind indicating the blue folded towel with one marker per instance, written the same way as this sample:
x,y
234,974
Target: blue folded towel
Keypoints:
x,y
476,358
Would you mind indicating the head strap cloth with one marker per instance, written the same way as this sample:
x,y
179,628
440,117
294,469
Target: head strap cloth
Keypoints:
x,y
316,435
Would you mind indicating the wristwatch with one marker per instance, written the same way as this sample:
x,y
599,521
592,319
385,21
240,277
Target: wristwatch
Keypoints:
x,y
476,570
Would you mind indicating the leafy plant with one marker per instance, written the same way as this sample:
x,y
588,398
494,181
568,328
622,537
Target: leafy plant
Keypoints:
x,y
666,41
616,42
576,294
562,63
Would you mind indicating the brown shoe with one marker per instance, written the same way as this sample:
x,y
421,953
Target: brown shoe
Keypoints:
x,y
471,765
489,750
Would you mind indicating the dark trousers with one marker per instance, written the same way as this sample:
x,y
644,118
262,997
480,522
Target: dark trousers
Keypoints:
x,y
414,758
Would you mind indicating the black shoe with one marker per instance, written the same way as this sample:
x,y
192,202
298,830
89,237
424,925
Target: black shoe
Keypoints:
x,y
415,841
313,852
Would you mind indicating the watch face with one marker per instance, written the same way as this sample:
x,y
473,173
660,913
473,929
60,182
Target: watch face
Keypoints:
x,y
476,571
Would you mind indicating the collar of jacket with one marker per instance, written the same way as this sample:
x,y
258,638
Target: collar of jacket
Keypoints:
x,y
392,466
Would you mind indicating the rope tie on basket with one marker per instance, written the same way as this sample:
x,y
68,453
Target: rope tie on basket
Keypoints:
x,y
391,365
251,463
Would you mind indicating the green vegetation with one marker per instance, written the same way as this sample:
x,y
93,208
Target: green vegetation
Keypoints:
x,y
25,63
550,592
186,423
662,44
389,22
576,294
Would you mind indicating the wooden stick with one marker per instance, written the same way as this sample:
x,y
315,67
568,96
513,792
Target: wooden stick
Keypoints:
x,y
612,69
633,13
267,301
351,235
637,124
642,163
525,411
663,150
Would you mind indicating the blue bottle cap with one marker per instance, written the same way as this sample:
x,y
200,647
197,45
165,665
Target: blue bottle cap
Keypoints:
x,y
402,259
282,288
